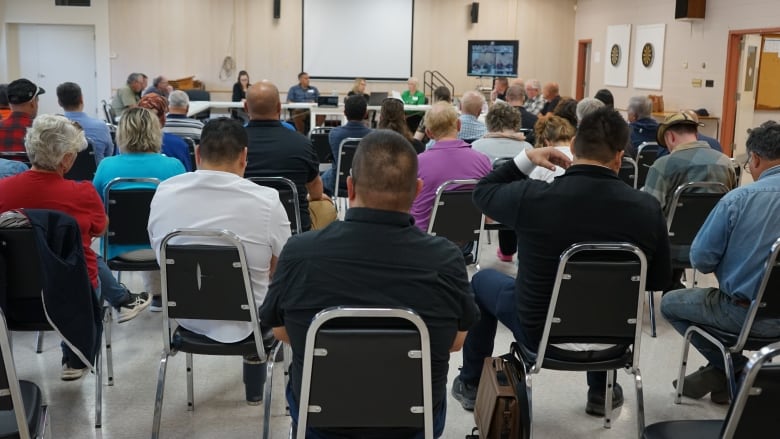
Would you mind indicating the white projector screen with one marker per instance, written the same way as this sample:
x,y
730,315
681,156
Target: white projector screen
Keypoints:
x,y
345,39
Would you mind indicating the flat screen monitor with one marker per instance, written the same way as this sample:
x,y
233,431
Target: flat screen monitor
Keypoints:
x,y
492,58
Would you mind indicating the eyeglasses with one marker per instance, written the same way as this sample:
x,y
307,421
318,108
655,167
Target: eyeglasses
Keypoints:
x,y
746,166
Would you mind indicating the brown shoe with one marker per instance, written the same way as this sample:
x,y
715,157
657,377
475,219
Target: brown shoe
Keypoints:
x,y
705,380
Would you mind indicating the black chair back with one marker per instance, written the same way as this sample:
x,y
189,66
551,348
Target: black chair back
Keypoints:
x,y
689,208
628,172
754,412
767,302
200,95
128,211
646,155
85,165
23,305
358,346
321,143
288,195
347,150
191,150
454,214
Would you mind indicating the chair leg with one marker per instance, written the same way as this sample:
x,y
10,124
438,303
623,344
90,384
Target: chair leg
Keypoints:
x,y
158,401
728,363
98,388
39,342
693,278
683,365
651,302
269,383
528,391
608,399
107,320
287,363
640,402
190,396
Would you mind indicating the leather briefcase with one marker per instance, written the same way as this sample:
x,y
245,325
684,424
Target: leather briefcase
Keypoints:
x,y
497,408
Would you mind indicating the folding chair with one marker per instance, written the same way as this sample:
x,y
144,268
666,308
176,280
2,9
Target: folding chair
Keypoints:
x,y
628,171
646,155
347,150
209,282
752,414
597,298
345,382
288,195
85,165
763,306
23,412
25,310
321,143
191,151
455,216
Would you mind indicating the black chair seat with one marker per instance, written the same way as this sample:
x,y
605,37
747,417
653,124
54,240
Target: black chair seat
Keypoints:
x,y
730,339
188,341
31,394
556,358
699,429
118,264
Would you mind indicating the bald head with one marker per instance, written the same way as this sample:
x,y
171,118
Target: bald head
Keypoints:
x,y
472,103
550,90
262,101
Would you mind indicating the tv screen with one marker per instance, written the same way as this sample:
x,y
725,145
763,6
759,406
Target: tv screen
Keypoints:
x,y
492,58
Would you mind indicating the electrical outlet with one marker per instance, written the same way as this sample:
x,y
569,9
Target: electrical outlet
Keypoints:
x,y
709,83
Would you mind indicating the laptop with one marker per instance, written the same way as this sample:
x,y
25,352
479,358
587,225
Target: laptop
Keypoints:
x,y
328,101
376,98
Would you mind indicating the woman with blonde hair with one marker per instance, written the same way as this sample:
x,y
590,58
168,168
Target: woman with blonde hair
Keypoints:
x,y
557,132
359,88
392,117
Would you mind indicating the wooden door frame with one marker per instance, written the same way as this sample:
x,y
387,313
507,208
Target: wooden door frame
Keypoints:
x,y
733,53
582,52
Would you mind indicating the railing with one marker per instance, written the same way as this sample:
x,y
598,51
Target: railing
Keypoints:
x,y
433,79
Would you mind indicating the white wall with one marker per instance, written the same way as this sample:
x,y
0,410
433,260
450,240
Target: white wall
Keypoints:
x,y
44,12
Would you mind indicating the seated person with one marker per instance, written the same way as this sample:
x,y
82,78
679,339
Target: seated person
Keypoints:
x,y
734,243
583,192
375,241
502,138
392,117
413,96
355,112
172,145
303,92
471,128
643,127
23,98
138,138
441,94
177,122
253,212
358,88
129,94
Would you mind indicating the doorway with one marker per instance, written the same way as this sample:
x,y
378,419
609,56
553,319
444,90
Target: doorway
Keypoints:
x,y
52,54
583,69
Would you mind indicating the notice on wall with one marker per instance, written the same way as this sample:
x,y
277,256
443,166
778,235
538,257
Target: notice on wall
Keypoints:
x,y
768,92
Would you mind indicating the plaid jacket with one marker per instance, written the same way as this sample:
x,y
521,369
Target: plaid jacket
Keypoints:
x,y
690,162
12,131
534,106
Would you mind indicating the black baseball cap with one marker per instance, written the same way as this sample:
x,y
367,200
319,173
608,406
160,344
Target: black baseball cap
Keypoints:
x,y
23,90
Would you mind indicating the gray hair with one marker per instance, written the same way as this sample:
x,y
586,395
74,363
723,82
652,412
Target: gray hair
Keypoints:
x,y
471,102
502,116
765,140
587,106
642,106
139,131
534,84
178,99
51,137
131,78
515,93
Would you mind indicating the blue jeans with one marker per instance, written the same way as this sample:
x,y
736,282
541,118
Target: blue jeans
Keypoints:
x,y
495,295
311,433
328,181
112,291
712,307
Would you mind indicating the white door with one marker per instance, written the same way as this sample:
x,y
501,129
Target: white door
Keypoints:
x,y
746,92
52,54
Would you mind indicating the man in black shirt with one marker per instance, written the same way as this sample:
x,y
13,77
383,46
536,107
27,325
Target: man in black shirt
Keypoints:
x,y
588,203
375,257
275,151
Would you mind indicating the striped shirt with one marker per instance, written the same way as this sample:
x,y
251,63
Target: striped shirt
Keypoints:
x,y
183,126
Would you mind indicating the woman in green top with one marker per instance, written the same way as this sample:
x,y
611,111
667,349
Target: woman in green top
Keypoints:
x,y
413,96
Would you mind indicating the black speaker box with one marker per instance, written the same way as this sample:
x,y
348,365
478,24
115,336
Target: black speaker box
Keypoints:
x,y
474,12
277,8
689,9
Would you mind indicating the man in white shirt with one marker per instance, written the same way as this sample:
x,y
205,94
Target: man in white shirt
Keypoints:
x,y
217,196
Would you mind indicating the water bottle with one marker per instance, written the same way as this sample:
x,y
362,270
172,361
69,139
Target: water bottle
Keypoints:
x,y
254,380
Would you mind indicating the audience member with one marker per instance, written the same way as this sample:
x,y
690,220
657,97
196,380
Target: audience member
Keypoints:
x,y
448,159
440,94
373,244
499,89
502,138
534,101
567,109
471,128
139,138
302,92
606,97
240,87
587,106
250,211
172,145
558,133
508,196
177,122
129,94
733,243
643,127
5,109
712,142
355,110
275,151
359,88
72,101
412,96
23,99
551,98
515,96
53,143
392,117
159,86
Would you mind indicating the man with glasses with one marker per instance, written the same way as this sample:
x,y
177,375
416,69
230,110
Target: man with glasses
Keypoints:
x,y
733,243
129,94
23,100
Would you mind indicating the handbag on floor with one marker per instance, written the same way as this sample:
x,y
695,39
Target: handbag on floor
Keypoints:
x,y
501,408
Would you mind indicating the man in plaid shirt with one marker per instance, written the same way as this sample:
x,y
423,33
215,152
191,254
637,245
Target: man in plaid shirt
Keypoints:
x,y
23,98
534,100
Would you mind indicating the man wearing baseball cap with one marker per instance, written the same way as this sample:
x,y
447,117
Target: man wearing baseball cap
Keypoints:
x,y
23,100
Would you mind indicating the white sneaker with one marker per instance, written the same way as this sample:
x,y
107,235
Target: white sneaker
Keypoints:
x,y
133,306
71,374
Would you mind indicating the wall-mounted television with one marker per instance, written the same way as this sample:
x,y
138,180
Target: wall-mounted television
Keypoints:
x,y
492,58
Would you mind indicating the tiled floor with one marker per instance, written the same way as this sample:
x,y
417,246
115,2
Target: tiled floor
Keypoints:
x,y
220,410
